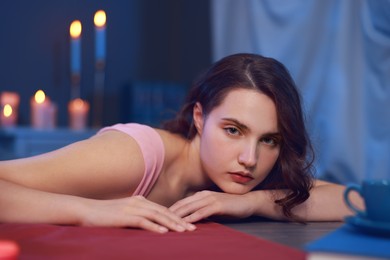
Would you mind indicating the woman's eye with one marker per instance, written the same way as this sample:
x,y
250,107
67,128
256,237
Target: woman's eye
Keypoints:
x,y
232,131
269,141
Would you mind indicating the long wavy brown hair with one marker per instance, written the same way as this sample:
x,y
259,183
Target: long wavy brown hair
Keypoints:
x,y
293,169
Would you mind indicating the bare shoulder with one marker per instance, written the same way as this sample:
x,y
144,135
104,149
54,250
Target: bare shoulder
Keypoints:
x,y
173,143
109,164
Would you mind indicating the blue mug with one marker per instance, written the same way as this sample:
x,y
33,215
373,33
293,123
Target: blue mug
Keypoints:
x,y
376,196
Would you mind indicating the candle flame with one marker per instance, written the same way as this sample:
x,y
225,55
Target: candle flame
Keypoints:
x,y
75,29
7,111
100,18
40,96
78,103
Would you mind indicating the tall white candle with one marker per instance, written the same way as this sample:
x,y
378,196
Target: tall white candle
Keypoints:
x,y
100,35
75,47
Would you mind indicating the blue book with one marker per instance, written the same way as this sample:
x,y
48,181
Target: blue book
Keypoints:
x,y
349,242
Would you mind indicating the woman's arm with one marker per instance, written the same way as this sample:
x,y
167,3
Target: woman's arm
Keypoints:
x,y
19,204
105,166
324,204
86,183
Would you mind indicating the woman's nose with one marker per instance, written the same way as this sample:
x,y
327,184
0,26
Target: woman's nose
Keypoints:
x,y
248,156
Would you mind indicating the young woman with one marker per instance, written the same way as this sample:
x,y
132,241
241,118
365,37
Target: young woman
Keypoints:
x,y
238,148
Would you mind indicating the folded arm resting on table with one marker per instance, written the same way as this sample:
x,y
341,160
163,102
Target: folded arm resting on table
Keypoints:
x,y
75,186
324,204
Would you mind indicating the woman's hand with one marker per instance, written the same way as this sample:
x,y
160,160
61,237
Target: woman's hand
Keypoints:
x,y
136,212
204,204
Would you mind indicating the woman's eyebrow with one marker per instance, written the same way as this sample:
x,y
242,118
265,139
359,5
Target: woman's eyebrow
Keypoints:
x,y
236,122
246,128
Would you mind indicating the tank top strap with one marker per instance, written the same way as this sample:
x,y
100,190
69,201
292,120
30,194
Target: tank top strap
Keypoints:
x,y
152,149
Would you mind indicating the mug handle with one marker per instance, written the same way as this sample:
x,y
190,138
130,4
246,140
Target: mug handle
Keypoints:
x,y
358,189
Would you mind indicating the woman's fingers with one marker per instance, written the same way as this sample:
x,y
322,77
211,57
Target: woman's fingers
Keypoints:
x,y
136,212
200,214
156,217
196,207
185,204
161,215
207,203
146,224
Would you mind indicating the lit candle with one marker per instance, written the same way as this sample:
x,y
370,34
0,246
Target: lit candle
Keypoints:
x,y
75,47
43,111
9,103
78,113
100,35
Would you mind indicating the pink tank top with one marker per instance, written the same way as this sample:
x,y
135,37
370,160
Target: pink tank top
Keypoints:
x,y
152,149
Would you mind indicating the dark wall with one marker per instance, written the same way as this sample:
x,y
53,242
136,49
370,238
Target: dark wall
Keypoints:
x,y
152,40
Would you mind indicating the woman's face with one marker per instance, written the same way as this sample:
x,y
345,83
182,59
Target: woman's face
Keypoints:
x,y
239,140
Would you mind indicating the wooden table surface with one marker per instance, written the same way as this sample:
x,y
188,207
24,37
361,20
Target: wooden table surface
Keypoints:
x,y
292,234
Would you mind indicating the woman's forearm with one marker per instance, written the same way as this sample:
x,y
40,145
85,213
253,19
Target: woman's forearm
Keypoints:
x,y
324,204
21,204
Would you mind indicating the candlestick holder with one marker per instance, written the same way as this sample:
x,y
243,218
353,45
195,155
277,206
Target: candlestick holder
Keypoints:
x,y
75,86
98,94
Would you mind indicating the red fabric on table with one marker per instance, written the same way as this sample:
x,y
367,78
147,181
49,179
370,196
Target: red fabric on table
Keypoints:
x,y
209,241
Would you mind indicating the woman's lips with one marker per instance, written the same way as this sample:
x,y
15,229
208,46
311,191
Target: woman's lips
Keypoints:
x,y
240,177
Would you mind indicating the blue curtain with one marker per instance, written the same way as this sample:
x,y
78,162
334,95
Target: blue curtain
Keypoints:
x,y
338,52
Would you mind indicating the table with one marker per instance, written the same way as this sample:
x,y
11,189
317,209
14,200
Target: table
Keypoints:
x,y
291,234
247,239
